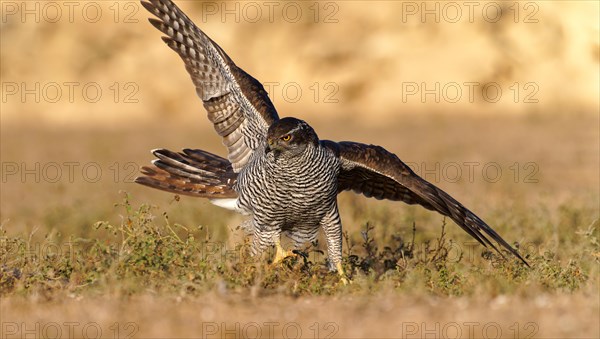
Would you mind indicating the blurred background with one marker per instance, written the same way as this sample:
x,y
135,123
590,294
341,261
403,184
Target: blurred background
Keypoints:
x,y
353,59
88,88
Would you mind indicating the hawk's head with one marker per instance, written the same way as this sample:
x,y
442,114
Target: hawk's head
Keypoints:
x,y
290,136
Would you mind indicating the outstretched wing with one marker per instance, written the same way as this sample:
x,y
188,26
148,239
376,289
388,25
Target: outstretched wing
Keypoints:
x,y
375,172
195,173
236,103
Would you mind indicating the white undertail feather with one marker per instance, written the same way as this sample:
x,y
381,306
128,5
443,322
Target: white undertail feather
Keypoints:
x,y
229,203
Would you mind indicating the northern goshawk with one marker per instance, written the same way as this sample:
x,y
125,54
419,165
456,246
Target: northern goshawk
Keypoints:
x,y
278,171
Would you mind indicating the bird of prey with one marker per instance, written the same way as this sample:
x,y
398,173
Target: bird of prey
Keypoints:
x,y
278,171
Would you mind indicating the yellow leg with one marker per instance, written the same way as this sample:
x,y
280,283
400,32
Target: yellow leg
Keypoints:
x,y
343,276
280,253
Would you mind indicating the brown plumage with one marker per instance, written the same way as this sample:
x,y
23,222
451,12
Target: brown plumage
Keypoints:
x,y
195,173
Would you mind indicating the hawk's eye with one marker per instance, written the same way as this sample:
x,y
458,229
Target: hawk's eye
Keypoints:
x,y
286,137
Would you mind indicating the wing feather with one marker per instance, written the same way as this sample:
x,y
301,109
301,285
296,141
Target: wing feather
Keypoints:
x,y
193,172
375,172
235,102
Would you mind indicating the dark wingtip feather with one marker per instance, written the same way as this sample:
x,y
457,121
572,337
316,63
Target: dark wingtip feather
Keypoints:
x,y
158,24
146,181
383,164
475,224
149,6
471,223
157,150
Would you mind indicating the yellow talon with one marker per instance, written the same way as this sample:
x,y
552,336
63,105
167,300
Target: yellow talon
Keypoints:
x,y
280,253
343,276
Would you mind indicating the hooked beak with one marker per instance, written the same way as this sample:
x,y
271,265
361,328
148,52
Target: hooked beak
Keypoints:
x,y
271,146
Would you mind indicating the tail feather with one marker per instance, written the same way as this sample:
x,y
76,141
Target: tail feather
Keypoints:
x,y
195,173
